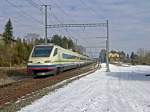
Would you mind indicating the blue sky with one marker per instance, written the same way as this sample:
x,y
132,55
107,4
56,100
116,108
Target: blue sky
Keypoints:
x,y
129,20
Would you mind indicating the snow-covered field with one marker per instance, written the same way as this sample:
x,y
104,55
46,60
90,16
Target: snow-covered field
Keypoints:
x,y
124,89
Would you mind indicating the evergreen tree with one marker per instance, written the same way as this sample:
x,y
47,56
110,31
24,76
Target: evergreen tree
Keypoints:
x,y
8,32
128,58
65,42
56,39
71,44
122,56
132,58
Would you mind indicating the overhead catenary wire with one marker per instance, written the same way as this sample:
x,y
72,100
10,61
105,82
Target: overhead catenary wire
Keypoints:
x,y
23,13
41,2
62,23
35,5
90,8
18,21
54,16
62,10
66,14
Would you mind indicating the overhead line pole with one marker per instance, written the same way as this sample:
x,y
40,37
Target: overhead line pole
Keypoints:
x,y
107,48
45,24
45,35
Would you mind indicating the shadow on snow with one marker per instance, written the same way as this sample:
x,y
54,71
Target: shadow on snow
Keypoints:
x,y
130,76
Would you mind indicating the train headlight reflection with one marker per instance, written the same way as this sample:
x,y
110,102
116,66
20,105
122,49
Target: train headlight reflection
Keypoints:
x,y
47,61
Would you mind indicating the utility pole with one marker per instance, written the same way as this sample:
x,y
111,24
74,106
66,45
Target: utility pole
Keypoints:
x,y
107,48
45,23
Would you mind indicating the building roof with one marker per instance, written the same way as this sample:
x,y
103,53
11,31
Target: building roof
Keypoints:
x,y
114,55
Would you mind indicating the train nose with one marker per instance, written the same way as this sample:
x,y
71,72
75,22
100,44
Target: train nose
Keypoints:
x,y
40,62
39,69
47,61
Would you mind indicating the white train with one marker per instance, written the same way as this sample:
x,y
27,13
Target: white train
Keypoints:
x,y
50,59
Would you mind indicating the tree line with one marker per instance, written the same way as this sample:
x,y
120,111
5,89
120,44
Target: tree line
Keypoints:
x,y
15,52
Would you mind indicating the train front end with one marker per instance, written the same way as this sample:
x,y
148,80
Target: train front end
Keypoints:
x,y
39,62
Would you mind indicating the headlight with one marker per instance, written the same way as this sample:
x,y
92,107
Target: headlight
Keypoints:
x,y
29,61
47,61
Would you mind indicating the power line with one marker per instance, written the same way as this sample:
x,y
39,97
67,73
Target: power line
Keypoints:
x,y
41,2
66,14
63,11
60,23
18,20
56,18
23,13
92,10
34,4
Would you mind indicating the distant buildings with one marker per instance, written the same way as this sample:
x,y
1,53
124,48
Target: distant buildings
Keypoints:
x,y
114,57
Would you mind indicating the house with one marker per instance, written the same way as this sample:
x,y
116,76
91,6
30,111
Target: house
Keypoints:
x,y
114,57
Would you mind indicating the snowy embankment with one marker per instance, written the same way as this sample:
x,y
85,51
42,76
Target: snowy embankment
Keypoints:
x,y
129,68
124,89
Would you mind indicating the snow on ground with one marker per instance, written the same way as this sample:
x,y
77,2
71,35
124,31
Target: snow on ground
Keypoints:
x,y
124,89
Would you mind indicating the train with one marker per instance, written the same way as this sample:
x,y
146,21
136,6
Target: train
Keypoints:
x,y
46,59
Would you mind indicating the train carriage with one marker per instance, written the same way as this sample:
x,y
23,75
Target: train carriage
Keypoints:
x,y
50,59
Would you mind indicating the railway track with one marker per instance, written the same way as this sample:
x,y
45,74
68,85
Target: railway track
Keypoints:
x,y
15,82
10,93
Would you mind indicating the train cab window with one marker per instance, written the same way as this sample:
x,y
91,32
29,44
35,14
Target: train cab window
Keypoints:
x,y
55,52
42,51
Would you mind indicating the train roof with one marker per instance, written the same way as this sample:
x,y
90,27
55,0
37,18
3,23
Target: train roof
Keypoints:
x,y
51,44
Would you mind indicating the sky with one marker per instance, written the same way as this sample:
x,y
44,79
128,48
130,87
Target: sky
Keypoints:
x,y
129,20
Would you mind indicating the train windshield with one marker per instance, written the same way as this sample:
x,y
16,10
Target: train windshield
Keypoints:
x,y
42,51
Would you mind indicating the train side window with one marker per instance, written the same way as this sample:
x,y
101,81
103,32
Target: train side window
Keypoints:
x,y
55,52
68,56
